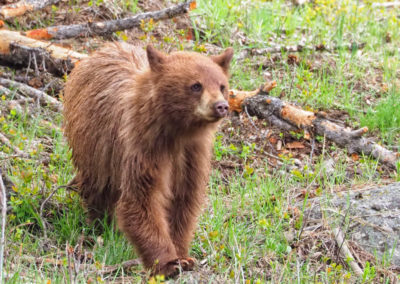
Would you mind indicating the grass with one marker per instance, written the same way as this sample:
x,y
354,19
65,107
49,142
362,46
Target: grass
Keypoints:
x,y
250,227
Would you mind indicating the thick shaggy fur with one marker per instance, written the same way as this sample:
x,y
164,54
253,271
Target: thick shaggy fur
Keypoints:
x,y
141,142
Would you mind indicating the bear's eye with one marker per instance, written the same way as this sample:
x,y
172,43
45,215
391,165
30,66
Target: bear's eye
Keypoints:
x,y
222,88
196,87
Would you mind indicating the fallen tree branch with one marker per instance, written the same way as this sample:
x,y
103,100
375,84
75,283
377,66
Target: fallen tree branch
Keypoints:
x,y
301,47
4,91
21,7
17,49
386,5
108,269
107,27
42,97
4,140
345,251
125,265
291,118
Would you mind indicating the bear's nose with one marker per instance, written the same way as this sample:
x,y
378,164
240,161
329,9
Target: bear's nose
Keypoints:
x,y
221,108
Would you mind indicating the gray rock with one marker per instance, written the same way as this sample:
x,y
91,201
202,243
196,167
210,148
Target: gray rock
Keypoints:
x,y
369,217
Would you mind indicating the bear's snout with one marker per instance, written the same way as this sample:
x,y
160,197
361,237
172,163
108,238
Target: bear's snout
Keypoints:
x,y
221,108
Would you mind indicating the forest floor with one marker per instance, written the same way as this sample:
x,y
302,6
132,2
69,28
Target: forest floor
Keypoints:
x,y
250,230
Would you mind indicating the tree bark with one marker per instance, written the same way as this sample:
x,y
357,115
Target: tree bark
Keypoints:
x,y
107,27
21,7
17,49
289,117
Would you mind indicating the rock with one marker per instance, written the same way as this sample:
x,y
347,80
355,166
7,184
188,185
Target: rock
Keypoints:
x,y
373,216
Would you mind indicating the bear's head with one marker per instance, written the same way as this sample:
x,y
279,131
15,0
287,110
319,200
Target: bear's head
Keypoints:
x,y
191,88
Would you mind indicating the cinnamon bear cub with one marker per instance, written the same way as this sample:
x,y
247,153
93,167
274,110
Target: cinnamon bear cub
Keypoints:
x,y
141,129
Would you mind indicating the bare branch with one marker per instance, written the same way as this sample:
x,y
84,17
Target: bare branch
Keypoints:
x,y
42,97
301,47
21,7
4,140
107,27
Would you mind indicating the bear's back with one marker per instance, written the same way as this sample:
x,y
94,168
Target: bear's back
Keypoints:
x,y
93,104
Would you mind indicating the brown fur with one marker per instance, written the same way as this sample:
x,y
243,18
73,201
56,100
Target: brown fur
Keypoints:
x,y
141,142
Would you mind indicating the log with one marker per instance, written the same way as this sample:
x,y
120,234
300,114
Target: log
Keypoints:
x,y
292,118
21,7
42,97
17,49
107,27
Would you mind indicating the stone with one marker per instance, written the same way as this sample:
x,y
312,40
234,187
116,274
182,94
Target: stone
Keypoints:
x,y
370,217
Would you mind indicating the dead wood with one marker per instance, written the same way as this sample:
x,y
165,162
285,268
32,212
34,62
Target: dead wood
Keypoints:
x,y
17,49
107,27
21,7
301,47
4,140
108,269
345,251
125,265
5,91
42,97
292,118
386,4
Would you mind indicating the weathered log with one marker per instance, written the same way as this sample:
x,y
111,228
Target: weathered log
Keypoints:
x,y
17,49
301,47
107,27
21,7
42,97
289,117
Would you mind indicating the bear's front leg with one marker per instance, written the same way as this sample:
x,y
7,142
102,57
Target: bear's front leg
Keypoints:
x,y
143,221
189,185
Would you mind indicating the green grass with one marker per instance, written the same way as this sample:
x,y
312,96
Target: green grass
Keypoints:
x,y
243,233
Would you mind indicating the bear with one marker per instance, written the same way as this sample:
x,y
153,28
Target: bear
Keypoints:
x,y
140,125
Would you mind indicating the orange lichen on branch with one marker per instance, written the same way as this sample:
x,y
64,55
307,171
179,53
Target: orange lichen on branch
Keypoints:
x,y
236,98
15,10
297,115
38,34
192,6
268,86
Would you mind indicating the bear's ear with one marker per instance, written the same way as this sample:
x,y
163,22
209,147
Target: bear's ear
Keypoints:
x,y
155,58
224,59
